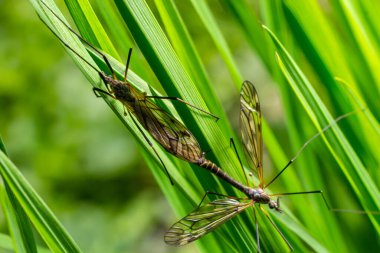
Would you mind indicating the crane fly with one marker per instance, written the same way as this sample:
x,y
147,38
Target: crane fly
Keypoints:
x,y
205,218
170,133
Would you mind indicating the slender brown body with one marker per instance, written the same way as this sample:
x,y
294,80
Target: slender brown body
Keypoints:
x,y
258,195
213,168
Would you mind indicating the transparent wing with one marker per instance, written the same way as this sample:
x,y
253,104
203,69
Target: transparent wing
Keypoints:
x,y
204,220
250,127
167,130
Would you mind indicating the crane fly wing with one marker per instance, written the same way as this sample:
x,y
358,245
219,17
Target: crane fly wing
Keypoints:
x,y
167,130
250,127
204,220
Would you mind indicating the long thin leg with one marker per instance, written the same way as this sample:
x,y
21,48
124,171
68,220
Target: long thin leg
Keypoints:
x,y
325,201
96,90
241,164
275,226
69,47
257,230
187,103
81,38
151,145
127,64
308,142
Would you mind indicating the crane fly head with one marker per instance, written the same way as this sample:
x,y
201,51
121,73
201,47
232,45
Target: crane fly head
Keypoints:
x,y
275,205
261,197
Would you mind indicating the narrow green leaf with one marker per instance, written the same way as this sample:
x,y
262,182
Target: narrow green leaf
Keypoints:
x,y
6,244
185,49
18,222
250,24
209,22
344,154
53,233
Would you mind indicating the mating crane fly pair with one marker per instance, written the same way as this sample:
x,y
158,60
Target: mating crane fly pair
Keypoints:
x,y
175,138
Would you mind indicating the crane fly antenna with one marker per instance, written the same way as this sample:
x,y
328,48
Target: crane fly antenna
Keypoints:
x,y
72,30
68,46
81,38
310,140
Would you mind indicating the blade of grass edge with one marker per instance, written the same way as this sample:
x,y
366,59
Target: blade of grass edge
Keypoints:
x,y
210,23
185,48
48,226
18,222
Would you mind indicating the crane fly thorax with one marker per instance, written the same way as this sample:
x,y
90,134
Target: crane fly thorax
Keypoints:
x,y
122,91
260,196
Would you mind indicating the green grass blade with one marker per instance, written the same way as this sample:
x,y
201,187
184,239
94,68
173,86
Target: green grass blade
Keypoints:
x,y
6,244
350,164
345,56
363,37
250,24
211,25
53,233
18,222
84,17
119,34
318,112
185,49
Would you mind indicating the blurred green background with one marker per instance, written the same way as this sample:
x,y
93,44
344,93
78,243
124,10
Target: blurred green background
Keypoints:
x,y
82,161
